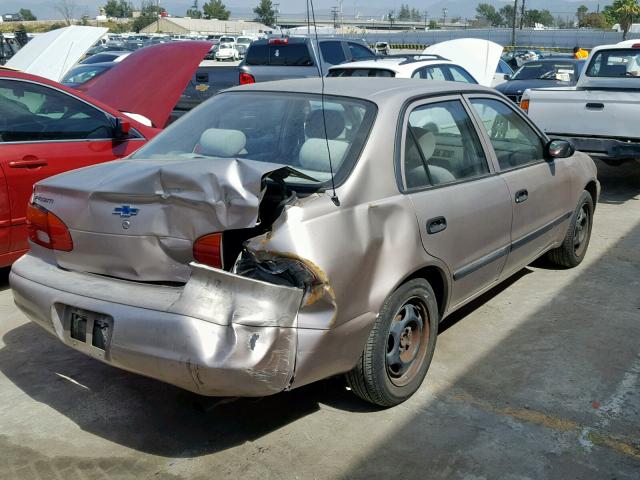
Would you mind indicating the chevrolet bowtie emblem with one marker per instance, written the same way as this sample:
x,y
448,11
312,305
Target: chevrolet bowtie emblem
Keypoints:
x,y
126,211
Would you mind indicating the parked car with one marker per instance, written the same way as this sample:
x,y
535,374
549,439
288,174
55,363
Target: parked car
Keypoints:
x,y
426,67
227,51
503,73
47,128
382,48
546,73
226,39
297,57
598,113
211,54
220,258
107,56
242,49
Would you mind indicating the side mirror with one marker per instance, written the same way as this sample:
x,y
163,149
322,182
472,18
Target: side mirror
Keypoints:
x,y
507,76
558,149
121,129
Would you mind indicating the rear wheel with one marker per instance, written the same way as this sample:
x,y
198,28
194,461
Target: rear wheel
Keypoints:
x,y
400,346
576,241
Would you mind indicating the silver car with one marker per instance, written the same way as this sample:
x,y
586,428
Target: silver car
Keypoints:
x,y
278,235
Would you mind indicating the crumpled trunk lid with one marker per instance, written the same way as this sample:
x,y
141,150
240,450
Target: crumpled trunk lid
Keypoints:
x,y
138,219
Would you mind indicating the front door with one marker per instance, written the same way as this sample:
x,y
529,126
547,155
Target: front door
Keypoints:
x,y
44,132
539,189
463,210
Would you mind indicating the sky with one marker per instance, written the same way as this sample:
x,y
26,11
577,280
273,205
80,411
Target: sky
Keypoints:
x,y
45,9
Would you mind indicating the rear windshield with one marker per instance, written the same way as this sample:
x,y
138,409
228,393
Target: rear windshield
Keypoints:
x,y
83,73
283,128
562,71
615,63
360,72
294,54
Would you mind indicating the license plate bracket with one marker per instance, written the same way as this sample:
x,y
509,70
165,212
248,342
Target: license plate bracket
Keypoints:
x,y
89,330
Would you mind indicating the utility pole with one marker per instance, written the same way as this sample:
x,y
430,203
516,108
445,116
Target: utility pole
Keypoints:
x,y
308,21
334,14
513,25
157,16
522,15
444,17
425,19
275,9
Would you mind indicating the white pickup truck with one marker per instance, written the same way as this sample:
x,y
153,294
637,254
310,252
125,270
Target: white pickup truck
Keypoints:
x,y
601,114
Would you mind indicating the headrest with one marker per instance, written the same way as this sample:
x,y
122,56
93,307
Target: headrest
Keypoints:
x,y
427,144
314,155
314,126
218,142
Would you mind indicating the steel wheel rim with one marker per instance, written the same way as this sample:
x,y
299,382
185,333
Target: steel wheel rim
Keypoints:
x,y
407,342
581,230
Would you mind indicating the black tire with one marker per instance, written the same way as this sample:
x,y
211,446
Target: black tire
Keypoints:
x,y
382,376
576,241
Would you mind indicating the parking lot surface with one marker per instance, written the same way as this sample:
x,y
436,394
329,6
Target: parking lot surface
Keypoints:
x,y
539,378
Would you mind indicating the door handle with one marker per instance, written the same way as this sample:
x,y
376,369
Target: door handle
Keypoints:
x,y
521,196
595,106
28,163
435,225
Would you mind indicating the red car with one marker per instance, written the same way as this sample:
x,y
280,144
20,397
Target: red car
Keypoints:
x,y
47,128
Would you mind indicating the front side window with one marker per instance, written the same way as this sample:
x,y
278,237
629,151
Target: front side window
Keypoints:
x,y
623,62
460,75
430,73
359,52
31,112
513,140
332,52
281,128
442,146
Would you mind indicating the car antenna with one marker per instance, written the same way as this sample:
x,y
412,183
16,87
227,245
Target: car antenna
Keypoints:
x,y
334,197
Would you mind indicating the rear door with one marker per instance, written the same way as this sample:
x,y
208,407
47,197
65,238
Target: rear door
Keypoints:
x,y
463,209
5,215
44,132
540,190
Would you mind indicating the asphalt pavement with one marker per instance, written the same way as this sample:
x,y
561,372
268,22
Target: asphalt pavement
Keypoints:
x,y
538,379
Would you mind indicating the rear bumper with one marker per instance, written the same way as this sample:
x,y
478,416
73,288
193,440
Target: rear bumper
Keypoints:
x,y
219,335
607,148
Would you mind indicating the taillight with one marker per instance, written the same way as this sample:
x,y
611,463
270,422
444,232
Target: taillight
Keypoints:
x,y
47,230
246,78
279,41
524,104
635,45
208,250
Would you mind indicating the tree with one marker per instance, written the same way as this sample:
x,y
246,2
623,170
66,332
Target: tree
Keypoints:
x,y
194,11
149,13
595,20
533,16
216,9
26,15
416,16
580,13
265,13
118,9
623,13
405,13
507,15
67,9
486,13
433,25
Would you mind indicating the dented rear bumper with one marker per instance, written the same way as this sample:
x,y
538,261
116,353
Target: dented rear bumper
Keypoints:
x,y
220,334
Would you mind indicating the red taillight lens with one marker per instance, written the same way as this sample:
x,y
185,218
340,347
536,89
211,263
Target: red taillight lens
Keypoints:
x,y
246,78
279,41
635,45
208,250
47,230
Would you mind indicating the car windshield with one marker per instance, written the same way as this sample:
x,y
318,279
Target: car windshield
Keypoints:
x,y
282,128
560,70
83,73
615,63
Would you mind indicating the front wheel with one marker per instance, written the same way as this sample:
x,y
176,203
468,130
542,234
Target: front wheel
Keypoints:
x,y
574,247
399,348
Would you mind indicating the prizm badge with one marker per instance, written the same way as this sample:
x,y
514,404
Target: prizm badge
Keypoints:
x,y
45,200
126,211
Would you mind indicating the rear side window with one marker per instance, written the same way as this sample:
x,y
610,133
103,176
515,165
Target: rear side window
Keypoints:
x,y
615,63
294,54
430,73
361,72
332,52
442,146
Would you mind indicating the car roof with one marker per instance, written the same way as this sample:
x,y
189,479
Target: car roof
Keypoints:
x,y
393,63
380,90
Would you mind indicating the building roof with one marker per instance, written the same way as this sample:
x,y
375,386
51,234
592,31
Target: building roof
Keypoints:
x,y
187,25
